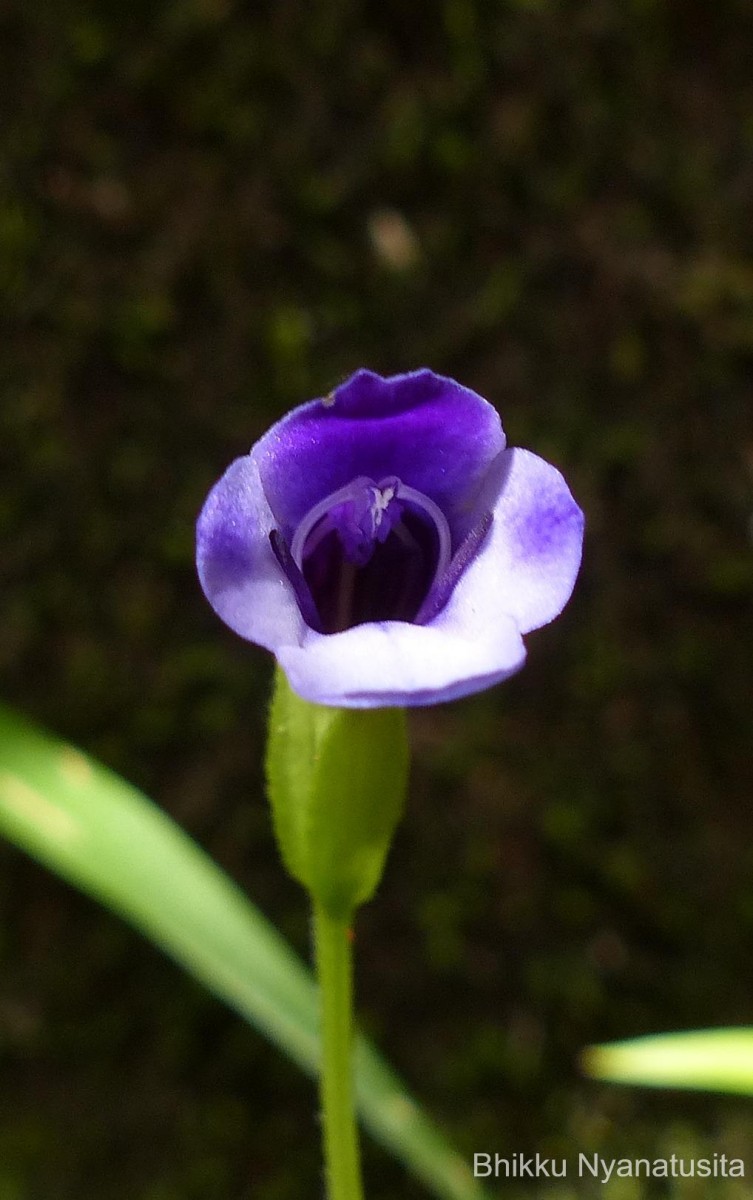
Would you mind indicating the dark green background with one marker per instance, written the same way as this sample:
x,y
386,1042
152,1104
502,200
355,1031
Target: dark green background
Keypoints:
x,y
198,198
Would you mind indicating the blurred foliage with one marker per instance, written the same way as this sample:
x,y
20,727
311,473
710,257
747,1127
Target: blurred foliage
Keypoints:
x,y
210,212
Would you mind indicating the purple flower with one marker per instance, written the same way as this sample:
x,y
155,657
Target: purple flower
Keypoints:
x,y
387,548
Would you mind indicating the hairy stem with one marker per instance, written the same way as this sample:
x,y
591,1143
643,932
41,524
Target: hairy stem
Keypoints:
x,y
334,967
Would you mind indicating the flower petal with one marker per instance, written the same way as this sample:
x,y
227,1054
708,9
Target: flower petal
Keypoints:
x,y
391,663
239,572
529,562
430,432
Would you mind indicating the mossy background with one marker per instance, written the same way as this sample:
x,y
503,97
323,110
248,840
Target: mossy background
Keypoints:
x,y
211,212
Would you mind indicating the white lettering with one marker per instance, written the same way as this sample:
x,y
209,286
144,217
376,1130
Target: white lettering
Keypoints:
x,y
526,1167
479,1161
520,1166
593,1167
509,1167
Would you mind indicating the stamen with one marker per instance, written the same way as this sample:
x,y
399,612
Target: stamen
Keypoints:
x,y
444,584
364,508
346,586
300,587
426,505
369,552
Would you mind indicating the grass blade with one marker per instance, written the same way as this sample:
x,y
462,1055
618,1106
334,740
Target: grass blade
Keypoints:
x,y
104,836
715,1060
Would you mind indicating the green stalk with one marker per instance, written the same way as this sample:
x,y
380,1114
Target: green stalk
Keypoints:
x,y
334,966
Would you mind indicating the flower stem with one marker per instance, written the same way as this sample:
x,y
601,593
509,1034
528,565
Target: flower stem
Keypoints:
x,y
334,967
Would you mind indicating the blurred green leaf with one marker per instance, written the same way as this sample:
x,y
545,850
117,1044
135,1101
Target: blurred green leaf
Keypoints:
x,y
101,834
717,1060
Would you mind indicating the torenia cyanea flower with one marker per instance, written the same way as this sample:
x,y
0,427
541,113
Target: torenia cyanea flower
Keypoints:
x,y
387,547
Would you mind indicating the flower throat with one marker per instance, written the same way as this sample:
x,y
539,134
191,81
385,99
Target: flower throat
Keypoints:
x,y
370,552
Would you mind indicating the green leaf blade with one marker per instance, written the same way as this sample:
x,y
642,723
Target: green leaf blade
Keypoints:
x,y
102,835
717,1060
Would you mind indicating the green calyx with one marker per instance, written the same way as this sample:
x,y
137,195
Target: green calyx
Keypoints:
x,y
336,779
